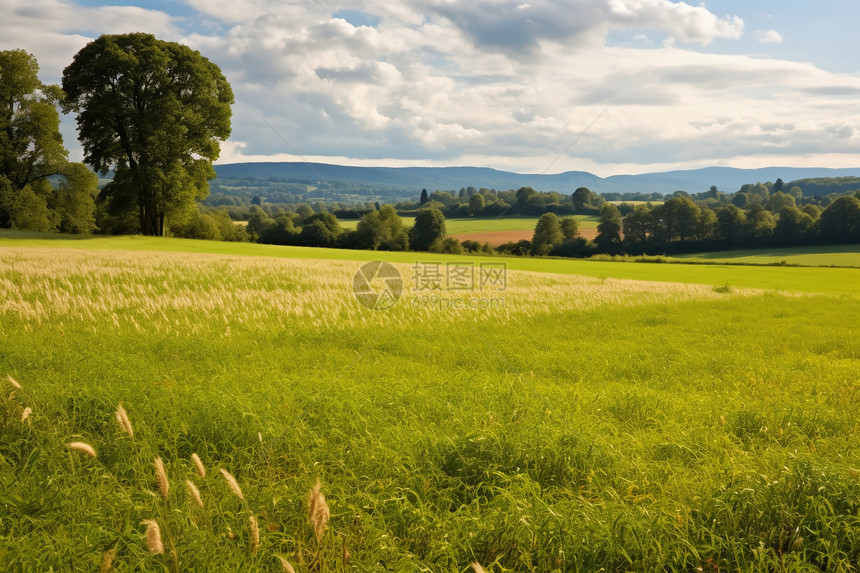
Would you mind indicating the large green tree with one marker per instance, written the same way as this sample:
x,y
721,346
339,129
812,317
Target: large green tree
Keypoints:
x,y
32,155
155,113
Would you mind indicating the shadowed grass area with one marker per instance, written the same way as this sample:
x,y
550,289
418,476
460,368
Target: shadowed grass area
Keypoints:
x,y
587,424
828,255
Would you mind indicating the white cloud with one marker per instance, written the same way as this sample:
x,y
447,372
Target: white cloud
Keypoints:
x,y
503,83
54,30
678,19
768,37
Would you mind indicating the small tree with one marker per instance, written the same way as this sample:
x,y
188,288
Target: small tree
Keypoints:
x,y
476,204
639,224
547,234
569,227
609,230
424,196
793,226
382,229
840,222
429,227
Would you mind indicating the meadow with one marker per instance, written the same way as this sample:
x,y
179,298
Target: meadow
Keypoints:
x,y
602,416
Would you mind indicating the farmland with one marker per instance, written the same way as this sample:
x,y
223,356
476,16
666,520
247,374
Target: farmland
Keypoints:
x,y
629,417
497,230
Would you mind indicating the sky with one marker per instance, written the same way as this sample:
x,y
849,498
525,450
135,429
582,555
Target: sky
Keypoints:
x,y
532,86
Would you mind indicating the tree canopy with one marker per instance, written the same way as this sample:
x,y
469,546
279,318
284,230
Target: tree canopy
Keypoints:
x,y
429,227
32,151
155,112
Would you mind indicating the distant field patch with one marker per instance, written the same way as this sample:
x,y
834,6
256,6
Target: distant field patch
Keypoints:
x,y
831,255
488,224
496,238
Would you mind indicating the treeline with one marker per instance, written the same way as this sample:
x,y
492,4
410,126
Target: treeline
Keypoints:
x,y
381,230
681,225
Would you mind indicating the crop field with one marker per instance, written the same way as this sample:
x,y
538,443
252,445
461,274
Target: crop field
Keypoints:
x,y
497,230
574,416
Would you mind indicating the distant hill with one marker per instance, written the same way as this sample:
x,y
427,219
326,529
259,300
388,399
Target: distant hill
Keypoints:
x,y
322,181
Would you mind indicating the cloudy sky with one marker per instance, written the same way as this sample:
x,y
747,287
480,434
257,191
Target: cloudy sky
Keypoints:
x,y
607,86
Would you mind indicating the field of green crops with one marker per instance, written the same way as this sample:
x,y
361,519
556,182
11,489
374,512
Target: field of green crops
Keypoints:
x,y
579,416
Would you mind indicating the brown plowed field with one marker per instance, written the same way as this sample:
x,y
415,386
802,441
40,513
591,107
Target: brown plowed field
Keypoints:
x,y
496,238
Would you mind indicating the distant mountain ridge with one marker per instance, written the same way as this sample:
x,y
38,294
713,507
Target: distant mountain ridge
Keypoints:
x,y
410,180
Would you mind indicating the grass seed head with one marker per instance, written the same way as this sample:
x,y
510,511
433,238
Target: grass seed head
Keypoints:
x,y
153,538
107,560
318,511
26,413
161,478
124,422
255,534
234,485
285,565
13,382
83,447
195,493
201,469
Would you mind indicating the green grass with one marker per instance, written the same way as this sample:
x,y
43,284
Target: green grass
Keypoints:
x,y
811,280
830,255
590,424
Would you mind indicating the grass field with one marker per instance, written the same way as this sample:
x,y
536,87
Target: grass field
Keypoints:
x,y
587,422
791,279
831,255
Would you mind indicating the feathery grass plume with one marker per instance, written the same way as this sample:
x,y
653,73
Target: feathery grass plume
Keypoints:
x,y
161,477
234,485
107,560
195,493
26,413
255,534
476,567
13,382
318,512
285,565
201,469
83,447
153,538
123,420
